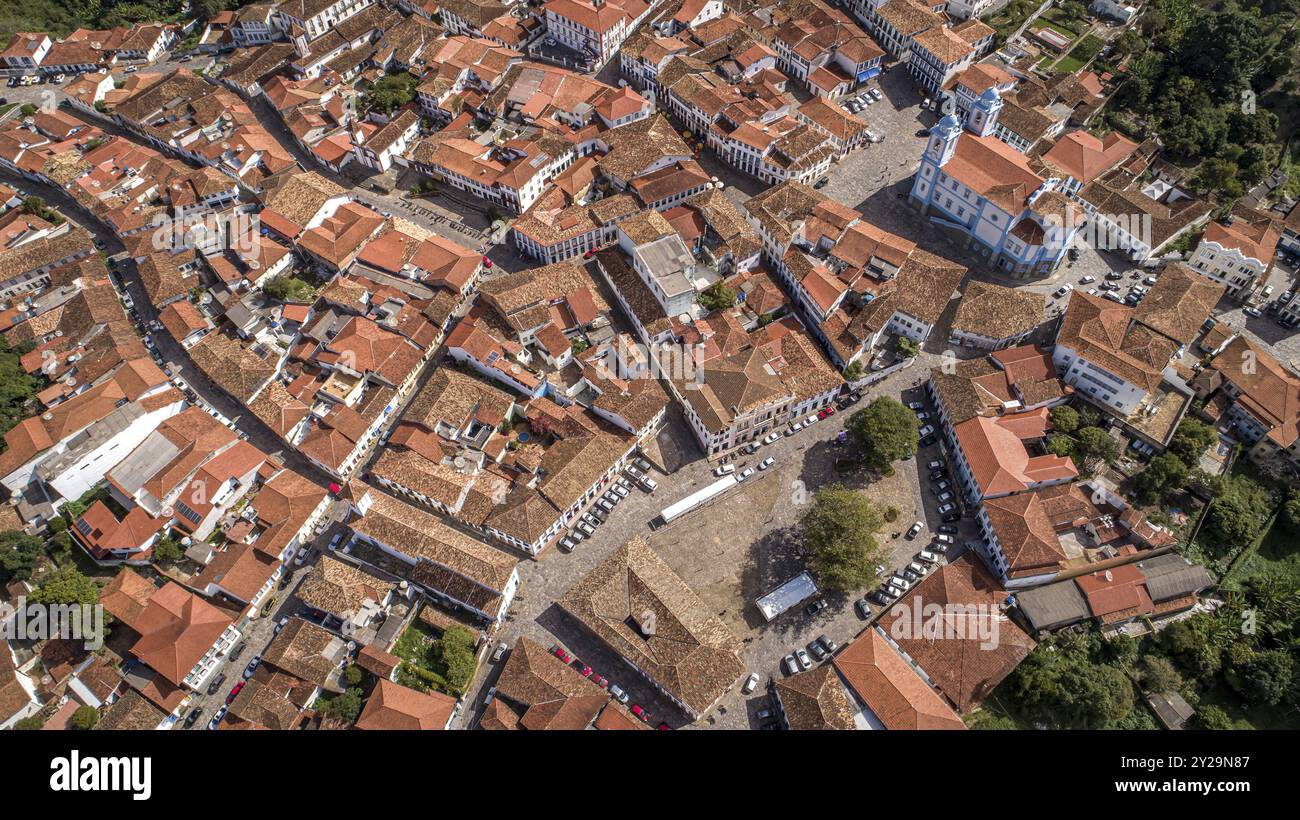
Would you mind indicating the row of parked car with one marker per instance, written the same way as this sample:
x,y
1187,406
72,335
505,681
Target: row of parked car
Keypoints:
x,y
615,691
599,512
799,661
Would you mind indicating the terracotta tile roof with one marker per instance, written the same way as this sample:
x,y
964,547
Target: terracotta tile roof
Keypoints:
x,y
685,649
815,700
963,666
550,693
131,712
890,687
999,462
341,589
1105,333
1270,392
1085,157
1027,535
394,707
998,312
176,629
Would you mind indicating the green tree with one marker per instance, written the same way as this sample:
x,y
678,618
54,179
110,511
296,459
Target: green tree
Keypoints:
x,y
1068,689
854,371
455,652
85,717
907,347
1059,445
1094,449
840,530
1210,716
345,707
66,585
717,297
1190,440
1165,472
1291,513
1237,517
19,553
885,430
166,550
391,92
1159,675
1065,418
353,675
1261,678
29,724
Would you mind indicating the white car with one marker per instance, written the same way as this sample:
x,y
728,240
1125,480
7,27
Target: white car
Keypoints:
x,y
586,529
794,428
619,490
567,544
925,431
301,556
1064,289
1253,312
805,662
1087,280
791,665
617,692
745,473
725,469
765,463
771,437
648,484
750,683
945,539
875,94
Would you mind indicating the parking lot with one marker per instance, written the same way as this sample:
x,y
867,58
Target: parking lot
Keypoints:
x,y
732,551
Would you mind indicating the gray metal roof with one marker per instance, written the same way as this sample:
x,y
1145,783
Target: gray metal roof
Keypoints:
x,y
1053,606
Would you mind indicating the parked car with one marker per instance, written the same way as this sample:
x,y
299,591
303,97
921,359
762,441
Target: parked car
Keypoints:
x,y
863,608
791,665
1063,289
765,463
583,669
925,431
939,487
946,540
216,719
636,474
935,465
947,508
951,518
586,529
606,505
567,544
931,557
750,683
590,520
617,693
279,627
916,406
559,652
827,644
234,693
771,437
252,666
818,652
875,94
929,441
237,651
725,469
815,607
944,498
301,556
619,490
879,597
805,662
745,473
1087,280
914,529
193,717
947,529
641,464
938,475
640,713
921,415
826,412
794,428
648,484
1253,312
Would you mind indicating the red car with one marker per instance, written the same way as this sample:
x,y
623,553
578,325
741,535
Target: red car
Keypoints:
x,y
234,693
664,727
487,263
582,668
641,713
599,681
829,411
558,651
587,255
